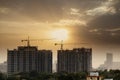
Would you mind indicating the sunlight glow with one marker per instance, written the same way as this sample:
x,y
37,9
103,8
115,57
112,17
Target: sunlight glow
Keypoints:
x,y
60,34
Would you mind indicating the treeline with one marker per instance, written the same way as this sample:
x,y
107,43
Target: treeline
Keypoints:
x,y
33,75
114,74
48,76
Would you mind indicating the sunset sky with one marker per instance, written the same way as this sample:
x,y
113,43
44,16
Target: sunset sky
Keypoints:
x,y
96,22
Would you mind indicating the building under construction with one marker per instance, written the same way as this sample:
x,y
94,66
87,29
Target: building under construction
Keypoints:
x,y
29,58
76,60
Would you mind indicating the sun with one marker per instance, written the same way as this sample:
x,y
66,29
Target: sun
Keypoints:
x,y
61,34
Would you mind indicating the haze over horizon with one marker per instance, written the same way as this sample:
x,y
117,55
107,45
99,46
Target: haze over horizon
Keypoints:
x,y
96,22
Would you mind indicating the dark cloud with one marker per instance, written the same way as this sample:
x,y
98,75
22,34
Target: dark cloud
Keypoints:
x,y
117,5
43,10
106,21
104,29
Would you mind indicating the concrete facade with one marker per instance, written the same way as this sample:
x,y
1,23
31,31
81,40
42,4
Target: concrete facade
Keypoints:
x,y
76,60
29,58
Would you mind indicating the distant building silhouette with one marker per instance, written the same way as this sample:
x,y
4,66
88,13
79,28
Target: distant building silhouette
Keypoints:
x,y
109,60
109,64
29,58
76,60
3,67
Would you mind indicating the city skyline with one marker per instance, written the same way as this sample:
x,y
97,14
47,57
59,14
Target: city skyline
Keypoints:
x,y
95,22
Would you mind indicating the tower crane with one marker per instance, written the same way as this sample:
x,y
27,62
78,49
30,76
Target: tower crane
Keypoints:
x,y
28,40
61,44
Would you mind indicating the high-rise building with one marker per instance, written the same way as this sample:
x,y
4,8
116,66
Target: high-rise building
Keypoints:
x,y
29,58
76,60
109,58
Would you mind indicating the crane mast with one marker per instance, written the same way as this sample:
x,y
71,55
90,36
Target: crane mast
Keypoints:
x,y
27,40
61,44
